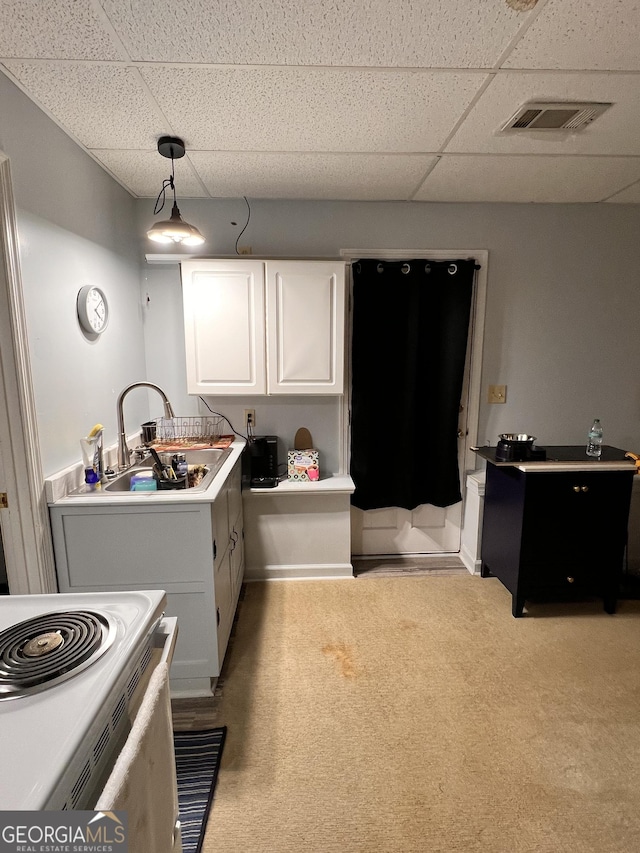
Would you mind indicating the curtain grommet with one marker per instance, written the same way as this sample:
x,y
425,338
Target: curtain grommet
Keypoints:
x,y
380,268
405,268
452,269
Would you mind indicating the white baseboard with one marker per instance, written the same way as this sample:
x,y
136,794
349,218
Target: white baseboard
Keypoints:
x,y
273,572
472,565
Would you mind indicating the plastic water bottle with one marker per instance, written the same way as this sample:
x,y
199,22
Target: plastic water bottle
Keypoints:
x,y
594,441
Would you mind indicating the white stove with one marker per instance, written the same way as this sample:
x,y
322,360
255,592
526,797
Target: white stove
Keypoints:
x,y
67,681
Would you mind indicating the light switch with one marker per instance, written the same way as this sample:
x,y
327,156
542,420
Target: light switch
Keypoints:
x,y
497,393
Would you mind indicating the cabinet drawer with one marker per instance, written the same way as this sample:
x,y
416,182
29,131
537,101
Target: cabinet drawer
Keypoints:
x,y
116,546
564,579
576,518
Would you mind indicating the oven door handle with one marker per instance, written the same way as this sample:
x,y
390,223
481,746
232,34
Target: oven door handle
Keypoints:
x,y
165,637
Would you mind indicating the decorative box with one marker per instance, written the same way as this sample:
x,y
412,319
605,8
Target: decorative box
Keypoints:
x,y
303,465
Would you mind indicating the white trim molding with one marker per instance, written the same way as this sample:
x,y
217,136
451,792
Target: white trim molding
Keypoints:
x,y
26,532
474,355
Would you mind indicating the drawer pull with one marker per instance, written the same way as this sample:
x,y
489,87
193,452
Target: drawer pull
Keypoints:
x,y
585,488
571,580
576,488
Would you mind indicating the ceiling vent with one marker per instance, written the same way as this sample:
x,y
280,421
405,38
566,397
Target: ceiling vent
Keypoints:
x,y
554,116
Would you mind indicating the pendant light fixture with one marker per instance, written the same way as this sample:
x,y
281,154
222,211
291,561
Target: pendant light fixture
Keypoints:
x,y
174,229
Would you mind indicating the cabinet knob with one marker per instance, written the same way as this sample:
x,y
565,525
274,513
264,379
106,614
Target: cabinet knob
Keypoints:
x,y
576,488
585,488
571,580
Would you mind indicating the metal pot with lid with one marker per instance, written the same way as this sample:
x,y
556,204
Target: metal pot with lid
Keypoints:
x,y
514,447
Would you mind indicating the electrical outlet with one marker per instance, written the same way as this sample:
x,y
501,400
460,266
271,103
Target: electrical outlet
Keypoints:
x,y
250,418
244,250
497,393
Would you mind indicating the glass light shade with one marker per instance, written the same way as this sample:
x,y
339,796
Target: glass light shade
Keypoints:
x,y
175,230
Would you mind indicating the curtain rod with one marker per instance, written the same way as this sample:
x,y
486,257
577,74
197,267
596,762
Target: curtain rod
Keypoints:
x,y
476,265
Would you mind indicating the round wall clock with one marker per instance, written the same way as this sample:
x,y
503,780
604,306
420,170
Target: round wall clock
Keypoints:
x,y
93,311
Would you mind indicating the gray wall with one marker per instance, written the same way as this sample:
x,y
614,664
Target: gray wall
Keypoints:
x,y
562,310
76,226
563,303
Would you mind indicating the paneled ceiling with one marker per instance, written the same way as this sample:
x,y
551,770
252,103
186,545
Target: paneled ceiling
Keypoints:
x,y
336,99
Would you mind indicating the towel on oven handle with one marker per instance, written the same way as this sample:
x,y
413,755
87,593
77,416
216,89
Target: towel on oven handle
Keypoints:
x,y
143,779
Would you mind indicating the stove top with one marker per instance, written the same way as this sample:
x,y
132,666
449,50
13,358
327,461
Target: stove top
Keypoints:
x,y
65,660
41,652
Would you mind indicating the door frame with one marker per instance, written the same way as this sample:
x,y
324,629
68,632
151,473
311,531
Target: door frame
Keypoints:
x,y
26,531
476,337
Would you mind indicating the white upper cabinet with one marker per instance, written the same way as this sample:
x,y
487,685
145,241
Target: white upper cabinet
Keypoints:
x,y
224,326
305,327
240,342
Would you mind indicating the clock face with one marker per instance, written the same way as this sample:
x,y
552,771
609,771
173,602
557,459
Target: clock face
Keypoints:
x,y
93,312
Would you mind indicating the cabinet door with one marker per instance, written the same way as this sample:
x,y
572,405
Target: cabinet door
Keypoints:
x,y
220,524
224,603
305,327
234,495
224,326
575,529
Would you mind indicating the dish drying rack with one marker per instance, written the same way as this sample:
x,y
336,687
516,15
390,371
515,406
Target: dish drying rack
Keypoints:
x,y
188,430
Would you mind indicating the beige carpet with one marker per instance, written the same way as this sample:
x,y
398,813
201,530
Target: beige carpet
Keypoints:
x,y
416,715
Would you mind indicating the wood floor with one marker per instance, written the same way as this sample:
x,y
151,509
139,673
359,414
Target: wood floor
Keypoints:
x,y
193,715
423,565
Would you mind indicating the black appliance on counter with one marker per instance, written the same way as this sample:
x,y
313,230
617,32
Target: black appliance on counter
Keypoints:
x,y
260,462
518,447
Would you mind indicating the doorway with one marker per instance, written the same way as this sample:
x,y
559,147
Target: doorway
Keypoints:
x,y
25,535
426,530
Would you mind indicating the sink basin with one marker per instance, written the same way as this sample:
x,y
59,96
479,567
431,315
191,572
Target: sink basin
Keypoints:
x,y
211,460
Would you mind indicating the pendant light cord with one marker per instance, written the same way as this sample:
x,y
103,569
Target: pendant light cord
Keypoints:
x,y
245,226
168,182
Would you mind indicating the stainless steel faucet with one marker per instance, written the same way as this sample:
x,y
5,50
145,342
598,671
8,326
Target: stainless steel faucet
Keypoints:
x,y
124,454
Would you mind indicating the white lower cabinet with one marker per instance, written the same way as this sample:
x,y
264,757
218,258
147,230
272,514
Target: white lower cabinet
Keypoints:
x,y
191,550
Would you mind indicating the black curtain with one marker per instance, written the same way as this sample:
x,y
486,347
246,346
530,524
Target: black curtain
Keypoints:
x,y
410,327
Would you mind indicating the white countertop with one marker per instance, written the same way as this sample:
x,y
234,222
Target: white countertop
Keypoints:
x,y
105,498
334,483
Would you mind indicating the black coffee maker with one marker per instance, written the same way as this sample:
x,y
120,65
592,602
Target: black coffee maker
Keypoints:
x,y
260,462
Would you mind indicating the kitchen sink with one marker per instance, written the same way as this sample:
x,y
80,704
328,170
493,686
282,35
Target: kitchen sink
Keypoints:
x,y
211,460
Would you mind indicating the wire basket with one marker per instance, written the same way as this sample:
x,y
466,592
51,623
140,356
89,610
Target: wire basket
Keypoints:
x,y
189,429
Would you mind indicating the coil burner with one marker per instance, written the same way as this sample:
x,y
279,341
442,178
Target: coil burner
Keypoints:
x,y
42,652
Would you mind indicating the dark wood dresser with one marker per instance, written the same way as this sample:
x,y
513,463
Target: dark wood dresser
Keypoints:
x,y
557,529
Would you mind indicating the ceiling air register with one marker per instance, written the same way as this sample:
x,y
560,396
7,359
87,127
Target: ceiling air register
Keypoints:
x,y
536,115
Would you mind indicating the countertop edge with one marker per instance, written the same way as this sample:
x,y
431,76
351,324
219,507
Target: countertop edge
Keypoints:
x,y
590,467
333,484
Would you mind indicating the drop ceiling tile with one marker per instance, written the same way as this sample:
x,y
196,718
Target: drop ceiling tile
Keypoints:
x,y
589,34
304,109
440,33
143,172
65,29
617,131
528,179
368,177
102,106
631,195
